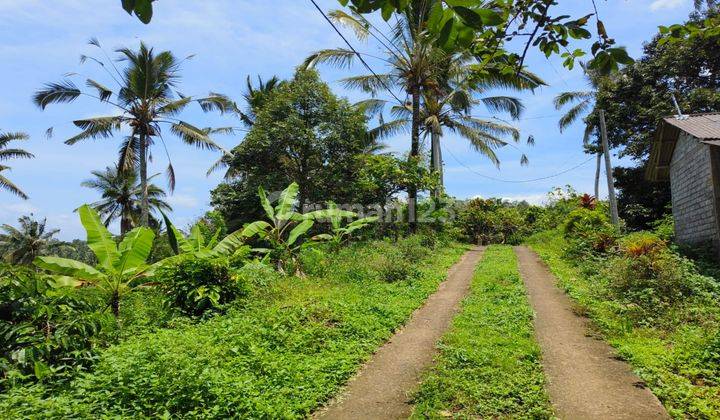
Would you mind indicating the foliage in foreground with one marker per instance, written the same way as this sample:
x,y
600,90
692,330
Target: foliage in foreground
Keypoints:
x,y
281,357
489,363
654,307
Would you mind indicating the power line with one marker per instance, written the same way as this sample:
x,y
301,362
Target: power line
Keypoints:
x,y
359,56
519,181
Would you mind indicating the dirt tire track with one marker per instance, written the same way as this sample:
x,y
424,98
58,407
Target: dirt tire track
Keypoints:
x,y
381,388
586,380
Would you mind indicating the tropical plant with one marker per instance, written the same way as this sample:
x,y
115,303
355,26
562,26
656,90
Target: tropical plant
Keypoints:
x,y
6,154
286,228
23,244
340,234
145,102
122,197
588,201
121,267
197,244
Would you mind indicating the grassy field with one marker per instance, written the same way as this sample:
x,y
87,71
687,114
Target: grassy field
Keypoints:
x,y
489,364
677,354
281,354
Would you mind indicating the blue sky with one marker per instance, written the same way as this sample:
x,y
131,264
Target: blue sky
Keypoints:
x,y
42,40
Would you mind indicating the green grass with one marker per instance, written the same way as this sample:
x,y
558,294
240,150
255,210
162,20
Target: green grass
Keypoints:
x,y
281,354
489,364
677,355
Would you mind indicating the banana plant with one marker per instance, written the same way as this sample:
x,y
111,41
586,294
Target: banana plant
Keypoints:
x,y
286,226
120,266
197,244
341,234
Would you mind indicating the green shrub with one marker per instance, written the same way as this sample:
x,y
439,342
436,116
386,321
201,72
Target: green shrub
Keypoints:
x,y
588,232
195,285
656,280
642,243
314,261
412,248
393,270
45,331
665,227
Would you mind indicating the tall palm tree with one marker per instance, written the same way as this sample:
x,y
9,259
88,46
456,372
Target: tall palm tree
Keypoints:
x,y
411,60
582,107
7,154
450,106
145,102
122,197
22,245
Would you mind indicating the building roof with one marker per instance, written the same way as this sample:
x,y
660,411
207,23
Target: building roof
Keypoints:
x,y
701,126
704,127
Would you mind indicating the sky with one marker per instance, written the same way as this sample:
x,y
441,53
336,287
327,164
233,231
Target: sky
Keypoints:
x,y
41,41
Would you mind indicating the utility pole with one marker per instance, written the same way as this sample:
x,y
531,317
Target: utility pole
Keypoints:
x,y
608,171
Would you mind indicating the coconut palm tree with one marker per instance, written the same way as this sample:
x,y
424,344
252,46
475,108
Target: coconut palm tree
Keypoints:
x,y
122,197
6,154
411,61
23,244
450,107
582,107
145,103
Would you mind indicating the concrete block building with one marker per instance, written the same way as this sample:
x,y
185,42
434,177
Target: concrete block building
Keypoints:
x,y
686,152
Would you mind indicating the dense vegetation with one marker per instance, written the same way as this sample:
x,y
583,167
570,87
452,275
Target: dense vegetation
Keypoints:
x,y
489,363
319,246
288,331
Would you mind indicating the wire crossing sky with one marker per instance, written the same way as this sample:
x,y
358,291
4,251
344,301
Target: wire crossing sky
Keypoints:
x,y
40,41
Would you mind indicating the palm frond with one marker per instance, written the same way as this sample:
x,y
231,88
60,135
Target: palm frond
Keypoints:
x,y
336,57
216,102
193,136
174,107
6,138
573,114
6,154
61,92
483,143
98,127
565,98
490,127
388,129
370,83
371,107
104,93
7,185
512,106
356,23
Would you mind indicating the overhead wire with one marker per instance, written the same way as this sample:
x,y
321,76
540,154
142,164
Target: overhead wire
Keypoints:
x,y
522,181
359,56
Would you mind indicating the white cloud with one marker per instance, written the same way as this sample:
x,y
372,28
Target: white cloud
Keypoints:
x,y
666,4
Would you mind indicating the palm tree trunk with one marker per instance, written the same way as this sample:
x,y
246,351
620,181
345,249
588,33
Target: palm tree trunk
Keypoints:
x,y
414,153
597,176
144,205
125,221
437,163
